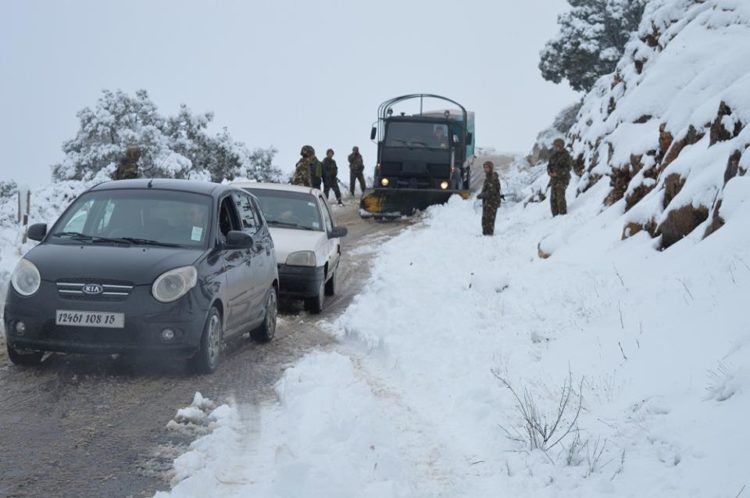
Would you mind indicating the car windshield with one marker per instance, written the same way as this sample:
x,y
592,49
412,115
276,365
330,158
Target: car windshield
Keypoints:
x,y
136,217
417,134
287,209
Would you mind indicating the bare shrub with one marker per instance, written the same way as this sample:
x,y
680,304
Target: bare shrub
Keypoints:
x,y
540,430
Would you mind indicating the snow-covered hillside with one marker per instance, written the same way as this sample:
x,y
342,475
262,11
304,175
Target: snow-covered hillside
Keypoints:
x,y
462,352
668,129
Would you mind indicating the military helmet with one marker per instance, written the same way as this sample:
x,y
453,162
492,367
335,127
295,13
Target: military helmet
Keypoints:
x,y
133,152
307,150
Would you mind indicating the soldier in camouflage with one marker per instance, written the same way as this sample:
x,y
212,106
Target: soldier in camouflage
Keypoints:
x,y
330,177
302,169
128,166
490,196
558,170
356,170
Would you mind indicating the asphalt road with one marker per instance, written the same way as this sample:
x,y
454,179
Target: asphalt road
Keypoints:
x,y
80,426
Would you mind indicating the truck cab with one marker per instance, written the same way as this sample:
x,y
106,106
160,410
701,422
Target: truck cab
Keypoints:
x,y
423,157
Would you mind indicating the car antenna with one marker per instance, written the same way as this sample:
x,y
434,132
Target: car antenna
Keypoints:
x,y
150,182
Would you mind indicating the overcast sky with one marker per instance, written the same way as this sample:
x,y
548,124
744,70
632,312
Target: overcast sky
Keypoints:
x,y
282,73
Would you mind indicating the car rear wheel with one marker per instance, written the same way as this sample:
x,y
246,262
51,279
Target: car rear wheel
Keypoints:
x,y
315,304
331,285
206,360
267,329
24,358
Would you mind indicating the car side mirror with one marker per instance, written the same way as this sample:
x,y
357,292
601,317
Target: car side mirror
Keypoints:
x,y
239,240
469,138
373,133
37,231
338,232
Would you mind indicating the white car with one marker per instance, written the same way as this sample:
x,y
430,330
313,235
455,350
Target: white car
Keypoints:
x,y
308,249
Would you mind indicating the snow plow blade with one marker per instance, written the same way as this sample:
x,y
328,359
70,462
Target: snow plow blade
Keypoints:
x,y
394,203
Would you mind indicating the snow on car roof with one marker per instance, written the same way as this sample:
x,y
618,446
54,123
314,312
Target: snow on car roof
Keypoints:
x,y
275,186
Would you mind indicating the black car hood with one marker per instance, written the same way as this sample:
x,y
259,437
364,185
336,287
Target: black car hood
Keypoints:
x,y
137,264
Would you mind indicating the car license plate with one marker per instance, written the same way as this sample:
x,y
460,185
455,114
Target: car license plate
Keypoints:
x,y
90,319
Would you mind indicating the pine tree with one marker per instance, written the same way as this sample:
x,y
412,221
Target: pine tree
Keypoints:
x,y
590,42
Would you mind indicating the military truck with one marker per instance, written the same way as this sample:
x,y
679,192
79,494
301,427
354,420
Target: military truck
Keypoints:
x,y
423,157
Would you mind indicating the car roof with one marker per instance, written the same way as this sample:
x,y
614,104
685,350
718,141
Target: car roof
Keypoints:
x,y
275,186
195,186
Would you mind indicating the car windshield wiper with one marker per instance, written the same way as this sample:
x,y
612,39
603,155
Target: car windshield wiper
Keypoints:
x,y
290,225
82,237
147,242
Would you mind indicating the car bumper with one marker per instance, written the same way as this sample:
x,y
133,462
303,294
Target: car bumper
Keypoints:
x,y
300,281
145,319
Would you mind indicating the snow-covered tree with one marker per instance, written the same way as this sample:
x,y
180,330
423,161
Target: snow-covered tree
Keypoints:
x,y
174,147
8,188
590,42
259,165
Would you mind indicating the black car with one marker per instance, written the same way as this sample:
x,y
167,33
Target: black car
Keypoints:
x,y
134,266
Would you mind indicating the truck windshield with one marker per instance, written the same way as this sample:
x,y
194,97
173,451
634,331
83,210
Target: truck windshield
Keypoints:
x,y
417,134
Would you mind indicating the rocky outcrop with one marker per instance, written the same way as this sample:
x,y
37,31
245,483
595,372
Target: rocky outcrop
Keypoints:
x,y
673,152
680,222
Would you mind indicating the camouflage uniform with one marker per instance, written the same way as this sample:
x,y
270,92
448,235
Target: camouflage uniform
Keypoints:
x,y
558,170
330,178
356,170
302,169
316,171
128,166
490,196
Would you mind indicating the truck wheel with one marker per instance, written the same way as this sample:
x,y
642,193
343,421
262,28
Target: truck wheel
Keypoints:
x,y
206,360
331,285
267,329
315,304
26,359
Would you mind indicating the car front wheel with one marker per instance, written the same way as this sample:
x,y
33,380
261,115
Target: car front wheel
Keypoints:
x,y
315,304
267,329
331,285
26,359
206,360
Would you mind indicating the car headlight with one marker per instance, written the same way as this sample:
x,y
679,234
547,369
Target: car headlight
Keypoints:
x,y
26,279
301,258
384,182
173,284
444,185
